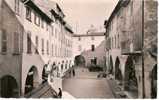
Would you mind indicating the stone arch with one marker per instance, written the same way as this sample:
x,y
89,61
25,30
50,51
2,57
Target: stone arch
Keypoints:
x,y
59,66
111,66
62,66
118,73
54,68
130,79
66,64
44,74
79,60
154,82
70,64
32,80
9,87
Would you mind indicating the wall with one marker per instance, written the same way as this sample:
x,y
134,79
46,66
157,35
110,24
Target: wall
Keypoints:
x,y
85,43
98,53
10,63
131,33
150,42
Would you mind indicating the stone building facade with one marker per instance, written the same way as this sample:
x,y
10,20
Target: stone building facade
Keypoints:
x,y
34,40
95,57
91,47
131,46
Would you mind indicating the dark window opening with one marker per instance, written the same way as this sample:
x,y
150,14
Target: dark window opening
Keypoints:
x,y
93,47
28,43
42,43
16,43
28,13
48,47
36,19
17,6
37,44
4,41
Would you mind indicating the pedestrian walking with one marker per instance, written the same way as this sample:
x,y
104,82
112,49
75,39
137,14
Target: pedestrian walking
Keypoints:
x,y
60,93
73,72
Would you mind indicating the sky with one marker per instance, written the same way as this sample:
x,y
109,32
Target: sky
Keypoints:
x,y
81,14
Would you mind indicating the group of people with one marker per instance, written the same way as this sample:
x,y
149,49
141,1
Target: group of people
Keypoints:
x,y
72,72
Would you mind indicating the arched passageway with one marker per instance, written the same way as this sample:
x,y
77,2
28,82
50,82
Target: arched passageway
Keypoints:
x,y
118,74
9,87
66,65
62,67
154,82
111,66
79,60
130,80
32,80
44,74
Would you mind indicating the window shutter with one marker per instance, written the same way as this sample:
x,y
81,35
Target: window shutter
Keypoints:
x,y
4,41
16,43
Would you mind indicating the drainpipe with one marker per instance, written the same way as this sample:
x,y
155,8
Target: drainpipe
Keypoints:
x,y
143,69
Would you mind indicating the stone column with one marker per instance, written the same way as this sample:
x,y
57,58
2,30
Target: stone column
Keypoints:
x,y
0,88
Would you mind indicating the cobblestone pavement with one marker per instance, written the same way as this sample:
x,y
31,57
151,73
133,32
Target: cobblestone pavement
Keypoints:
x,y
66,95
85,84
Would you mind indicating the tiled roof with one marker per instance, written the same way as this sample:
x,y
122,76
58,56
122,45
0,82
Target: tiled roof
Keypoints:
x,y
44,6
47,5
35,4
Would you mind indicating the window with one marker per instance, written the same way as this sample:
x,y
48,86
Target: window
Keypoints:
x,y
79,48
118,41
52,30
47,47
112,43
131,7
61,52
52,17
42,23
4,41
47,26
36,19
17,6
52,50
55,32
92,37
94,61
16,43
37,44
28,13
115,41
29,43
56,51
92,47
42,46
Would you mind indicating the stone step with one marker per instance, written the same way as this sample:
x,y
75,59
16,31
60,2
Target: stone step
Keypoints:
x,y
42,91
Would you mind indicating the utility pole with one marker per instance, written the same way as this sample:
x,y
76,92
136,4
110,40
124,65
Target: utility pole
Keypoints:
x,y
143,69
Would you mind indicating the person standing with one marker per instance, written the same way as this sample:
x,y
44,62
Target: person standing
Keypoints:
x,y
73,72
60,93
